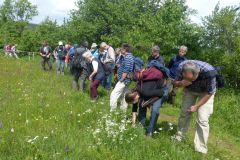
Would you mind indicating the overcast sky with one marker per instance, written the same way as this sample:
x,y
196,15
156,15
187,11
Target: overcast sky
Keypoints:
x,y
58,9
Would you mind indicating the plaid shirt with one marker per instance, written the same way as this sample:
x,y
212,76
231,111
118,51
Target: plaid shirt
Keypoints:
x,y
210,84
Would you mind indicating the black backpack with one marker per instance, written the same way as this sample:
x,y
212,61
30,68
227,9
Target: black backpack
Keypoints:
x,y
220,78
201,84
78,59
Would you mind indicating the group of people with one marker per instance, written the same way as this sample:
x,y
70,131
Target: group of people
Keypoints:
x,y
11,50
155,83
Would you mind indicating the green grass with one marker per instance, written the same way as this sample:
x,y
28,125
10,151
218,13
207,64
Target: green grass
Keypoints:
x,y
41,117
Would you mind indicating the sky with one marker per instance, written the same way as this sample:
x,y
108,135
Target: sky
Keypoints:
x,y
59,9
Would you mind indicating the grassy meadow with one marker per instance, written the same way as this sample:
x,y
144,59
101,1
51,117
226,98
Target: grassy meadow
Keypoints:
x,y
42,117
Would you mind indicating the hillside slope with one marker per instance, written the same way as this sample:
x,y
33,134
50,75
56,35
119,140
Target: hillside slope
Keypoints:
x,y
41,117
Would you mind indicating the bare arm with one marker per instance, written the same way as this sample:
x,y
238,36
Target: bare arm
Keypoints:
x,y
124,75
200,103
182,83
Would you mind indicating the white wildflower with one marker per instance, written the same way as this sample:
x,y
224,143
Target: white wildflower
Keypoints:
x,y
35,138
160,129
88,111
12,130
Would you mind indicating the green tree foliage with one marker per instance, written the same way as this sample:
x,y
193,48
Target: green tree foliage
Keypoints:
x,y
222,29
220,41
141,23
14,17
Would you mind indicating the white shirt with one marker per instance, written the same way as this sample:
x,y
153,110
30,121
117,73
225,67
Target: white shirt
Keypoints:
x,y
95,65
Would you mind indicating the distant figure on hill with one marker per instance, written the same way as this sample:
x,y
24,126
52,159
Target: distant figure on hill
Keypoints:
x,y
45,52
14,51
60,54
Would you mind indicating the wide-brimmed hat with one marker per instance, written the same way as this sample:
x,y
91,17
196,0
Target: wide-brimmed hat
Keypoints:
x,y
94,45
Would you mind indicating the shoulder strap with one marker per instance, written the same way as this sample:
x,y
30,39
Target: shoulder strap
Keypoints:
x,y
209,74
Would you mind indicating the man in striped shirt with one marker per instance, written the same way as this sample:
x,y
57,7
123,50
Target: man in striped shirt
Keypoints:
x,y
126,68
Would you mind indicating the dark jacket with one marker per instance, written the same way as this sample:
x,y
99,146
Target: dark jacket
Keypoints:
x,y
159,59
173,65
150,89
100,75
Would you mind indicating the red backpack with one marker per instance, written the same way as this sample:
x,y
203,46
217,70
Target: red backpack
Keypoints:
x,y
149,74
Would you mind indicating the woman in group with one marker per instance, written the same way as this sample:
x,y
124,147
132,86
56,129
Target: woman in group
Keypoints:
x,y
147,93
97,75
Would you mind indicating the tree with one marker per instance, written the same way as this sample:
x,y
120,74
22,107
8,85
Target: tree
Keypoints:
x,y
141,23
221,29
24,10
7,11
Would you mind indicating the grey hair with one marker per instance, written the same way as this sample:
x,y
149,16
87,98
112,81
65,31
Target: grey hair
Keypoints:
x,y
87,54
191,67
185,48
156,48
103,44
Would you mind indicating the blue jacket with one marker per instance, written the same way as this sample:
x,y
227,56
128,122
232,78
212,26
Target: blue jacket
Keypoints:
x,y
160,66
173,65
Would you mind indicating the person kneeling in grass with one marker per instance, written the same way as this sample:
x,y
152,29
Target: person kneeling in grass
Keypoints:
x,y
147,93
96,76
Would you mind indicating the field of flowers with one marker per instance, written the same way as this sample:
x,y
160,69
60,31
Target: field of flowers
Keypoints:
x,y
41,117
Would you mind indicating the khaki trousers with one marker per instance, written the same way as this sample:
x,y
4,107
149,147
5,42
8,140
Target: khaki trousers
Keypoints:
x,y
118,93
202,120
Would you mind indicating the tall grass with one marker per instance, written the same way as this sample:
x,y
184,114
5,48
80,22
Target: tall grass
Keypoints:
x,y
41,117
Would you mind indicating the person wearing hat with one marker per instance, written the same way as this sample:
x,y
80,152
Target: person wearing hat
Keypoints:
x,y
60,55
94,50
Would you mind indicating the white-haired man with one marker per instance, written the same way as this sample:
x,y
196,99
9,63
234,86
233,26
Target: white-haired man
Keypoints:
x,y
109,62
173,66
199,81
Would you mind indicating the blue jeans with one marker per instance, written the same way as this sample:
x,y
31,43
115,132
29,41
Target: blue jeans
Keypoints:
x,y
60,66
154,114
107,83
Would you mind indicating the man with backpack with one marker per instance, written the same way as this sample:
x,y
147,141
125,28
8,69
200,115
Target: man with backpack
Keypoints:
x,y
173,66
60,55
199,80
80,67
108,62
45,53
71,53
126,68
